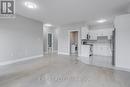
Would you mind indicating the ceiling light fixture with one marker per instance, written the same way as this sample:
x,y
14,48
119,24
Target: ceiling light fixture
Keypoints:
x,y
30,5
102,21
48,25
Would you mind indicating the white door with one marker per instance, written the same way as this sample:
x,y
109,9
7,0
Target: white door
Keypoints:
x,y
50,43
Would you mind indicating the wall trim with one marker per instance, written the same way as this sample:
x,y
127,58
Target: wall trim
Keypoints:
x,y
20,60
63,53
79,38
122,69
54,51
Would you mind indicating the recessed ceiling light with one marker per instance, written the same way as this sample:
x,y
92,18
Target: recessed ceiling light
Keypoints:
x,y
48,25
30,5
101,21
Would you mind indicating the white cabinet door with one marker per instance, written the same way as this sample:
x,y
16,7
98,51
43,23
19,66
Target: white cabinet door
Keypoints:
x,y
84,32
93,35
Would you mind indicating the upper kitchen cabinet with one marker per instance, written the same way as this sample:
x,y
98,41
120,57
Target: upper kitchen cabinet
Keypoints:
x,y
84,32
100,32
93,35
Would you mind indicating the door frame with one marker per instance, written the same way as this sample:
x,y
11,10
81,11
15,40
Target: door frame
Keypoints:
x,y
113,46
52,41
79,44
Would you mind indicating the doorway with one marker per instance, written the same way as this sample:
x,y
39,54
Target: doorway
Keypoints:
x,y
50,43
74,43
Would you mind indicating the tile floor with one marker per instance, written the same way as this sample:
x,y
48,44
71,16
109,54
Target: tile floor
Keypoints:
x,y
61,71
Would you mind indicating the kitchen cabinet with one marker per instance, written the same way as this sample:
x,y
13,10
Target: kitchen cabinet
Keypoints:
x,y
85,51
93,35
102,49
84,32
100,32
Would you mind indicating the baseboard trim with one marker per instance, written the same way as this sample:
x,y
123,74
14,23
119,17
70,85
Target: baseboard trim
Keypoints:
x,y
54,51
62,53
19,60
122,69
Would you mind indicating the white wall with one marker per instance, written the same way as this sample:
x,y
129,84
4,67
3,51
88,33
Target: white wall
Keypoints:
x,y
19,38
64,38
52,30
122,25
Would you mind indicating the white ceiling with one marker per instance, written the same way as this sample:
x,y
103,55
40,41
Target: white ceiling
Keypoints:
x,y
60,12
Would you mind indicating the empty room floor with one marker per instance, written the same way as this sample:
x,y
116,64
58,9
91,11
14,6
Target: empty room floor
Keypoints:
x,y
60,71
